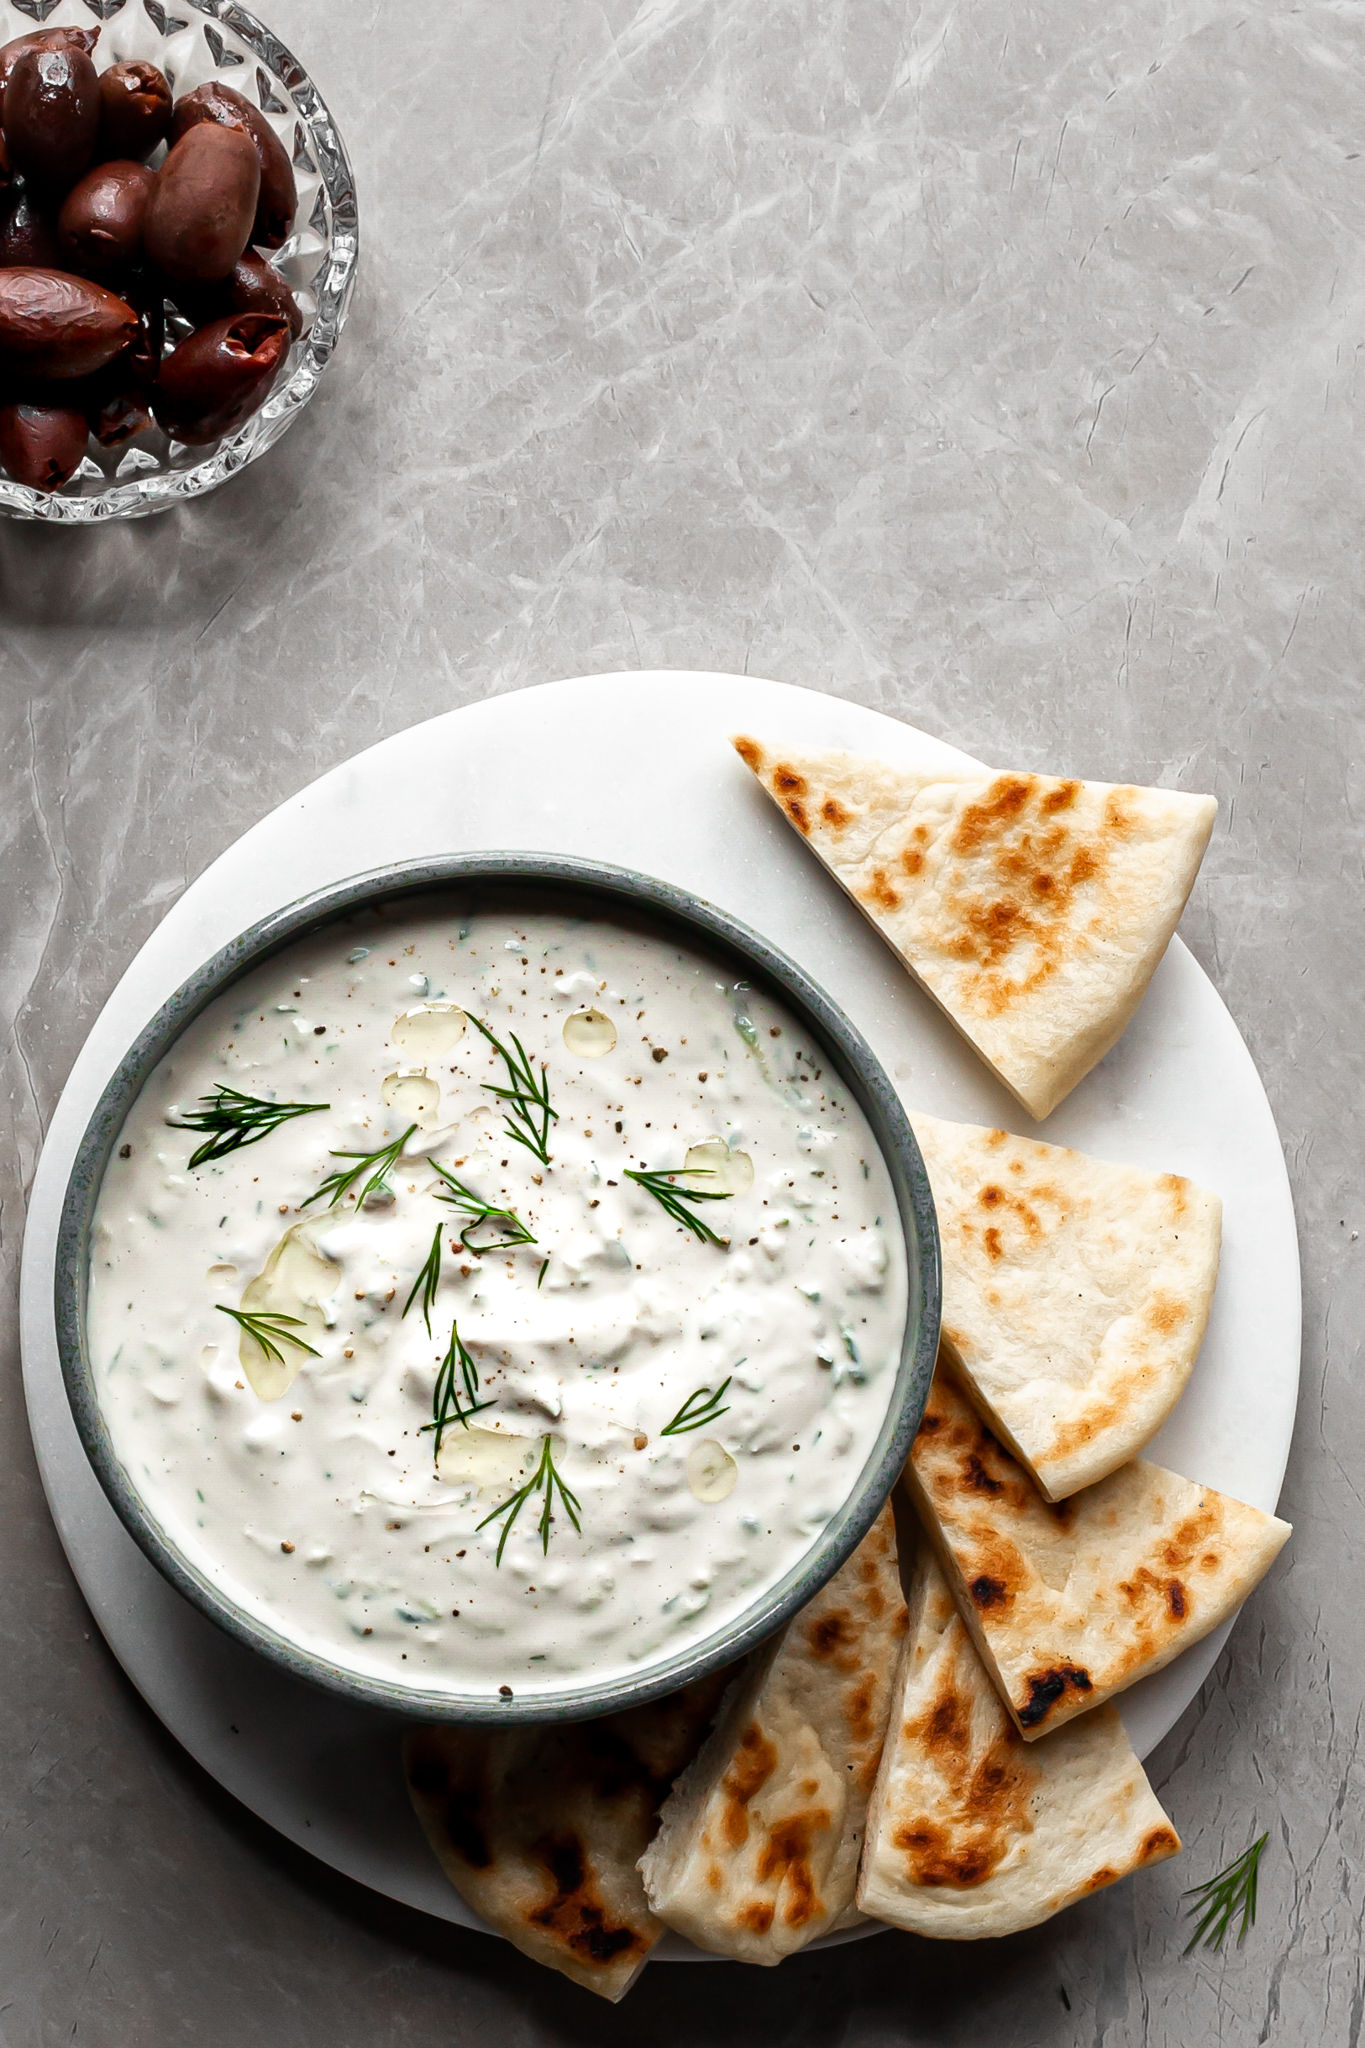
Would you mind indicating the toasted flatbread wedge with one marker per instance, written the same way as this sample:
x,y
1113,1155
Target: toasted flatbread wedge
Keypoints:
x,y
540,1829
973,1832
1032,908
1075,1294
1070,1602
758,1844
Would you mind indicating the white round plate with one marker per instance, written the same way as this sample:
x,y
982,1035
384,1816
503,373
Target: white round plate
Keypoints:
x,y
636,769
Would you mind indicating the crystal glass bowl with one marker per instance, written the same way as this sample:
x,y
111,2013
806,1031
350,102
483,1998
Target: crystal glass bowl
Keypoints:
x,y
193,42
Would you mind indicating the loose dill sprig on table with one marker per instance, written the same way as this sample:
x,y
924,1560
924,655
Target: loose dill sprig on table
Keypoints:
x,y
480,1213
661,1182
545,1479
427,1281
377,1165
697,1410
269,1329
527,1120
236,1120
447,1409
1222,1898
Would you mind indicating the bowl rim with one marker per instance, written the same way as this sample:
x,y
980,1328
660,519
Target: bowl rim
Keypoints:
x,y
619,891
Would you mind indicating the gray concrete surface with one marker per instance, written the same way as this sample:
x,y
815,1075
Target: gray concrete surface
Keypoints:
x,y
994,365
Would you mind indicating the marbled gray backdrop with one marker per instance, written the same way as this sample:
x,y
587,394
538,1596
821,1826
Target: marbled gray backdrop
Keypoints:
x,y
996,365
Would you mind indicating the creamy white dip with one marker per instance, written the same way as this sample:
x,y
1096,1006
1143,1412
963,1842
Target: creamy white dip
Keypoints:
x,y
306,1483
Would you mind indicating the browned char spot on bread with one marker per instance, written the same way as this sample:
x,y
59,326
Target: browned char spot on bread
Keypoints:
x,y
985,1801
1045,1688
785,1856
755,1761
1015,913
574,1912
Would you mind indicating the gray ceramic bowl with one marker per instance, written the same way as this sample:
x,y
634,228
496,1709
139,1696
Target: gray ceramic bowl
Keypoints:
x,y
550,882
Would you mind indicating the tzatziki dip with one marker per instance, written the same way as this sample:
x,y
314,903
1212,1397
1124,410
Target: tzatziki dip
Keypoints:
x,y
481,1299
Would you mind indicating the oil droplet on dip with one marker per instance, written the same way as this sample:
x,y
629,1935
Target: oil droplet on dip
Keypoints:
x,y
711,1471
428,1029
298,1277
732,1173
414,1095
491,1461
589,1034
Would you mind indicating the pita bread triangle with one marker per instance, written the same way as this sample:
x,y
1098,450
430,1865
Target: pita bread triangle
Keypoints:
x,y
758,1843
540,1829
972,1831
1068,1603
1075,1294
1032,908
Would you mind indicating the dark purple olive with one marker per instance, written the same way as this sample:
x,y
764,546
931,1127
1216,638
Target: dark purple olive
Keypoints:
x,y
216,378
28,235
279,196
43,39
135,112
200,212
52,115
53,325
118,408
146,293
42,445
100,224
255,286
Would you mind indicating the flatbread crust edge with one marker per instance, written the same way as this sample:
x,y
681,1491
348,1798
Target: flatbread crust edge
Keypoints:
x,y
1071,1603
1040,1048
1042,1244
758,1843
540,1829
973,1833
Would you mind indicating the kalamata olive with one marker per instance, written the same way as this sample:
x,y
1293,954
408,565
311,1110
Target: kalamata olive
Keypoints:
x,y
43,39
135,111
53,325
200,212
279,196
100,224
28,235
117,409
42,445
255,286
216,378
146,294
52,115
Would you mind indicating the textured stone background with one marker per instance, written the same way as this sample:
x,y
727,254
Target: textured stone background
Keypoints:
x,y
994,365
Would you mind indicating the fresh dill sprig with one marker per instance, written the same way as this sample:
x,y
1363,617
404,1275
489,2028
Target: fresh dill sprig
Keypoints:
x,y
236,1120
480,1213
1222,1898
661,1182
697,1410
447,1409
377,1165
269,1329
427,1281
527,1119
545,1479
